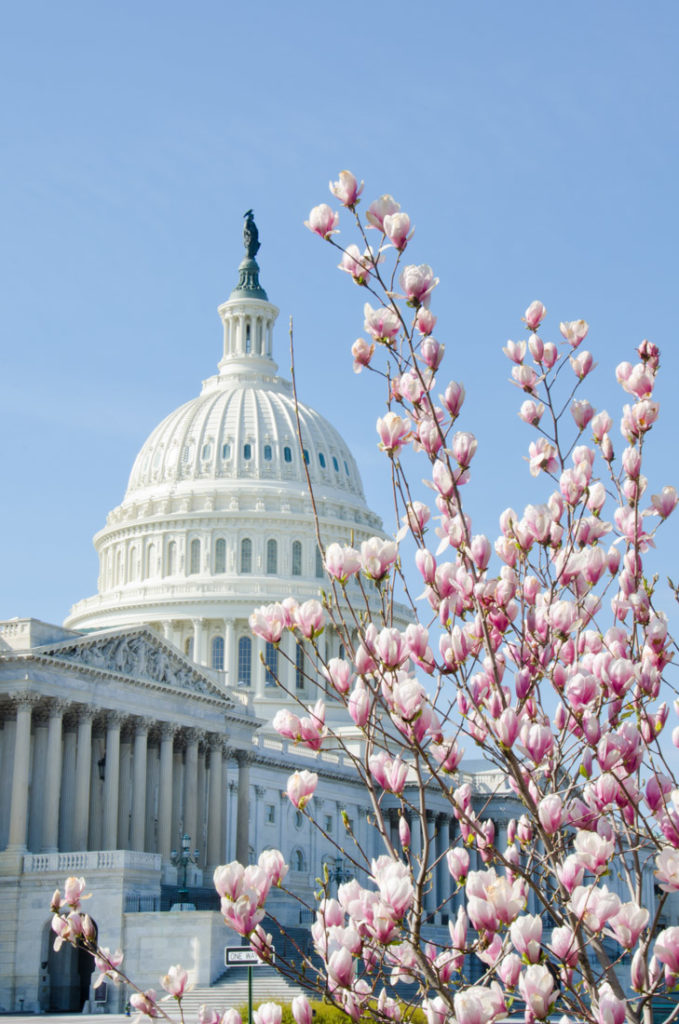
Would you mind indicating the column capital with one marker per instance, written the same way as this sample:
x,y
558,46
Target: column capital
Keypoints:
x,y
214,741
84,712
193,735
244,757
25,698
142,725
168,730
58,707
113,718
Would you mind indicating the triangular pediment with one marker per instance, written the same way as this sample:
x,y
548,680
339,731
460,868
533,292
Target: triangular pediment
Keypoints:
x,y
138,654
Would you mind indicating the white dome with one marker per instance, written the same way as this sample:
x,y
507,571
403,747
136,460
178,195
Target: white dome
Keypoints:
x,y
240,430
217,517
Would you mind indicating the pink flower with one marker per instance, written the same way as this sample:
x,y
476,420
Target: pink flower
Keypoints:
x,y
611,1010
394,432
301,1010
338,673
377,556
550,813
176,981
268,1013
107,964
286,724
593,851
381,324
458,862
515,350
582,412
531,412
145,1002
269,621
667,949
564,945
595,905
582,364
322,221
359,266
418,283
537,988
309,619
396,227
526,936
340,969
574,331
359,704
403,832
362,353
394,882
628,924
542,456
301,787
73,892
534,315
341,562
347,190
464,447
273,864
425,321
665,502
379,209
667,869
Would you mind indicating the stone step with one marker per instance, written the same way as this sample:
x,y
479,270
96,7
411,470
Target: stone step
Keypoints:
x,y
231,990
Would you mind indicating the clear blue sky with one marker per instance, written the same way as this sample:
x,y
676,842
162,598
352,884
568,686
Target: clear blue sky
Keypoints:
x,y
534,145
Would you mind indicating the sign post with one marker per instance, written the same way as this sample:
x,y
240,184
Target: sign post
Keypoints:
x,y
244,956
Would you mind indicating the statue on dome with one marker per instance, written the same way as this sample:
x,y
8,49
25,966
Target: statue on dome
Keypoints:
x,y
250,235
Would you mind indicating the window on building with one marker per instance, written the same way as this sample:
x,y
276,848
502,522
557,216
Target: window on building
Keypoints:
x,y
246,555
321,459
296,558
299,819
270,814
287,454
218,653
340,653
247,452
244,661
194,560
226,451
306,455
299,665
132,572
248,339
271,557
319,564
298,860
171,558
268,454
271,664
188,647
335,464
327,825
346,469
220,555
207,451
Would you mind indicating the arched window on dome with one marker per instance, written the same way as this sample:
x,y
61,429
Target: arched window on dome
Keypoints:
x,y
319,564
270,664
299,665
271,557
297,860
218,653
268,453
287,454
248,338
321,460
188,647
171,558
244,661
150,561
258,338
132,563
296,558
306,455
120,574
194,557
247,452
220,555
246,555
335,464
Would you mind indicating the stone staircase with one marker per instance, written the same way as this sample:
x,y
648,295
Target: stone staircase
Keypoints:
x,y
231,990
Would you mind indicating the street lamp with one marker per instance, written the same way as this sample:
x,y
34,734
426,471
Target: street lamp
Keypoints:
x,y
182,860
337,870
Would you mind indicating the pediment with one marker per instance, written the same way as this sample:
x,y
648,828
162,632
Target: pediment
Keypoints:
x,y
137,654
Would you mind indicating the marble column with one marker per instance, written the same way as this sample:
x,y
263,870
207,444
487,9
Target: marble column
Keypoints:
x,y
200,842
167,731
191,786
243,831
198,635
83,775
258,670
141,732
230,654
112,780
50,832
18,815
215,832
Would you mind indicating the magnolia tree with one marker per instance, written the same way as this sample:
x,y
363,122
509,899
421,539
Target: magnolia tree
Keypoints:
x,y
540,651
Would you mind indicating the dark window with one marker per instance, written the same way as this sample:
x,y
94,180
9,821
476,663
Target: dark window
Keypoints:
x,y
246,555
271,557
218,653
267,452
247,452
220,555
287,454
321,459
271,664
244,661
296,558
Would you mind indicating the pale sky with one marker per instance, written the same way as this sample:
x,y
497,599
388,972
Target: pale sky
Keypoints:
x,y
535,147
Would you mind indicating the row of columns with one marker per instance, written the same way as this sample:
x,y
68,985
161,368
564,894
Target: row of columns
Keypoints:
x,y
177,791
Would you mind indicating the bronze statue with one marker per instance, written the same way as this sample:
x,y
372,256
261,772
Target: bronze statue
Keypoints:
x,y
250,235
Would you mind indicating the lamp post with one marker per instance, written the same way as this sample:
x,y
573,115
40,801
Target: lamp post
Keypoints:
x,y
182,860
337,871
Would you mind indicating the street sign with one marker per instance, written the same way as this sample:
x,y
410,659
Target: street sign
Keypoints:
x,y
243,956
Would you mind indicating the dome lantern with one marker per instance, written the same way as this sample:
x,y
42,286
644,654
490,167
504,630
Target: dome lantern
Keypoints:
x,y
248,316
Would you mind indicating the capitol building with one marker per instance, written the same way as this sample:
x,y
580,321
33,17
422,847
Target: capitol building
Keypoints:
x,y
146,717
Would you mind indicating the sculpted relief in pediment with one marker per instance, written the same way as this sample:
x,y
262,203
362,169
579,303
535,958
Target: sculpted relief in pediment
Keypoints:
x,y
137,657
